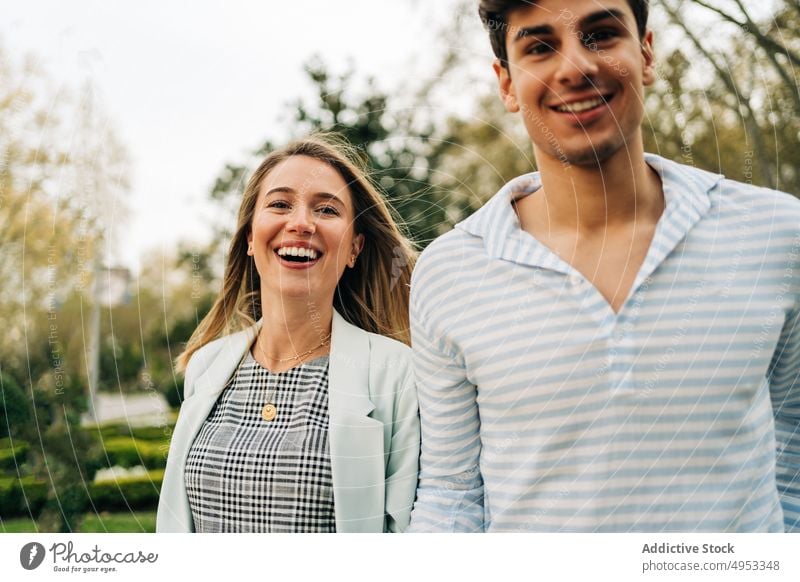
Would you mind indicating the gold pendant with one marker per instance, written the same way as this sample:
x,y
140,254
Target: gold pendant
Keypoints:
x,y
269,411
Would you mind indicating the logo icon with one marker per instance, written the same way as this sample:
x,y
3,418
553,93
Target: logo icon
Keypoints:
x,y
31,555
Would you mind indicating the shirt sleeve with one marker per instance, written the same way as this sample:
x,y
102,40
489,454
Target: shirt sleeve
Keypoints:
x,y
785,389
450,492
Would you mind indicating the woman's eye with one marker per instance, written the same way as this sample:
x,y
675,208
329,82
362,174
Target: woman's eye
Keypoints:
x,y
328,210
280,204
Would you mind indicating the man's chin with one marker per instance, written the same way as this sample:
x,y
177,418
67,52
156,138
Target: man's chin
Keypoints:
x,y
592,155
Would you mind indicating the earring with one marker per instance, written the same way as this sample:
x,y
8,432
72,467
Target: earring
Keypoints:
x,y
352,262
250,249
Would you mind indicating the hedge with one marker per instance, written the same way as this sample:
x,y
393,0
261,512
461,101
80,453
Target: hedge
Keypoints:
x,y
142,433
128,452
13,494
13,457
128,493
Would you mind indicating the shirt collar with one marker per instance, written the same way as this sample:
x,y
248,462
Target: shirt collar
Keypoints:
x,y
686,192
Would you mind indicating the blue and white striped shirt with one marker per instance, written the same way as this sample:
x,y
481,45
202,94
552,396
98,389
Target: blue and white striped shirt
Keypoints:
x,y
543,410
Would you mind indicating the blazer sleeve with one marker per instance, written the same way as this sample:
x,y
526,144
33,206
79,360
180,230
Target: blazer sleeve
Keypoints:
x,y
172,497
402,468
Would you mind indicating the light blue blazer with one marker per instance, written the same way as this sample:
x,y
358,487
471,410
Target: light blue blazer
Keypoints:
x,y
373,427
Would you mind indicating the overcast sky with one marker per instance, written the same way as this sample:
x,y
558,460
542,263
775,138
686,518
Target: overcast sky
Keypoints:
x,y
190,86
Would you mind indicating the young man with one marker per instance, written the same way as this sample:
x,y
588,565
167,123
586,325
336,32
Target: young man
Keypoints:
x,y
611,343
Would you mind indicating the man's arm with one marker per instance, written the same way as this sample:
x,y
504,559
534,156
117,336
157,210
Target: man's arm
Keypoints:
x,y
785,391
450,493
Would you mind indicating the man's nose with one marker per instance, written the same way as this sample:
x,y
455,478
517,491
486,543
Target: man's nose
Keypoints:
x,y
578,63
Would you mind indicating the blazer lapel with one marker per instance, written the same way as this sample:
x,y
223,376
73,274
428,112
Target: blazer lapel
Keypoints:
x,y
356,440
196,408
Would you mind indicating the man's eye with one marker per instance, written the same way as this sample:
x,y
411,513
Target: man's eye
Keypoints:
x,y
539,48
592,39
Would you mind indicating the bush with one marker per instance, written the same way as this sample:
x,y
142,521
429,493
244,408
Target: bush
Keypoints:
x,y
11,457
15,408
128,493
24,496
129,452
142,433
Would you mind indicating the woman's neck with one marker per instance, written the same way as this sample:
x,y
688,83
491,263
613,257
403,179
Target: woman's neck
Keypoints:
x,y
292,332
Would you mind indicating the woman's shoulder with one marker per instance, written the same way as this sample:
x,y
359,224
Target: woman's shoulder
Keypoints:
x,y
205,357
388,347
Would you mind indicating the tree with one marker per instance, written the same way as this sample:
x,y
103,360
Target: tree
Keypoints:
x,y
400,147
62,172
743,116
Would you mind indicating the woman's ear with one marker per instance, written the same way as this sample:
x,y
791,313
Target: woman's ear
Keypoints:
x,y
358,246
250,244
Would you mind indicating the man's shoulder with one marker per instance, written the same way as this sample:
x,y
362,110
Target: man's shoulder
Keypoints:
x,y
758,196
453,246
732,197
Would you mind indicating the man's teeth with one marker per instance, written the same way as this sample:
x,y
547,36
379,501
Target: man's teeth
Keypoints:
x,y
297,252
579,106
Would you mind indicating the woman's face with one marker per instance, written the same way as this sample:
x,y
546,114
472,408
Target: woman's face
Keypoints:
x,y
302,235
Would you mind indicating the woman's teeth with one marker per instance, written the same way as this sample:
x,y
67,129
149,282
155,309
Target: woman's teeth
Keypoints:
x,y
297,252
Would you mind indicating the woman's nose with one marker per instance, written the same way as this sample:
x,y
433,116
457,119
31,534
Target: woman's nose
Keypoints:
x,y
301,220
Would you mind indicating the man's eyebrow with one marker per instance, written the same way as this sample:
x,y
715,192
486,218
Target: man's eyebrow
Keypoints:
x,y
601,15
523,33
594,17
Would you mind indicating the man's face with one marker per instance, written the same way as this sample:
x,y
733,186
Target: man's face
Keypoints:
x,y
576,72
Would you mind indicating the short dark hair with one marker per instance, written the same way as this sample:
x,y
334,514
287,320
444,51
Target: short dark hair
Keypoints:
x,y
494,15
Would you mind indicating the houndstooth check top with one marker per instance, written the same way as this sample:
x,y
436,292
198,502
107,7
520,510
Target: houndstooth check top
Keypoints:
x,y
246,474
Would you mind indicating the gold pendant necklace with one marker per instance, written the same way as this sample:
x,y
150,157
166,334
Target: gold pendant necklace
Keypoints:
x,y
269,411
296,356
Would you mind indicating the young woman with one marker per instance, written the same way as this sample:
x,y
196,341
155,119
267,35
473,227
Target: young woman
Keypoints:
x,y
305,420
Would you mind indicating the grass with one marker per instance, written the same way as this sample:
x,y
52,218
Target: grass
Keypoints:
x,y
124,522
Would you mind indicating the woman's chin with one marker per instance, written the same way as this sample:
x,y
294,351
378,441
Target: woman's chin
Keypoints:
x,y
301,292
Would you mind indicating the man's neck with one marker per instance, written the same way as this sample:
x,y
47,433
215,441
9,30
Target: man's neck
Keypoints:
x,y
588,199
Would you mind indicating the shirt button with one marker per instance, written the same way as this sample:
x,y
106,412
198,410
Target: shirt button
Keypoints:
x,y
575,279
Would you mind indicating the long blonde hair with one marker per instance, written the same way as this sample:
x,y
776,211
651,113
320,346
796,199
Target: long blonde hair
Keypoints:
x,y
373,295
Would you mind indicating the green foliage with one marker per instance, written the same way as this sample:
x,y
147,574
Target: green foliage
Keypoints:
x,y
104,522
129,452
128,493
24,496
398,145
127,522
12,456
15,408
727,101
142,433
